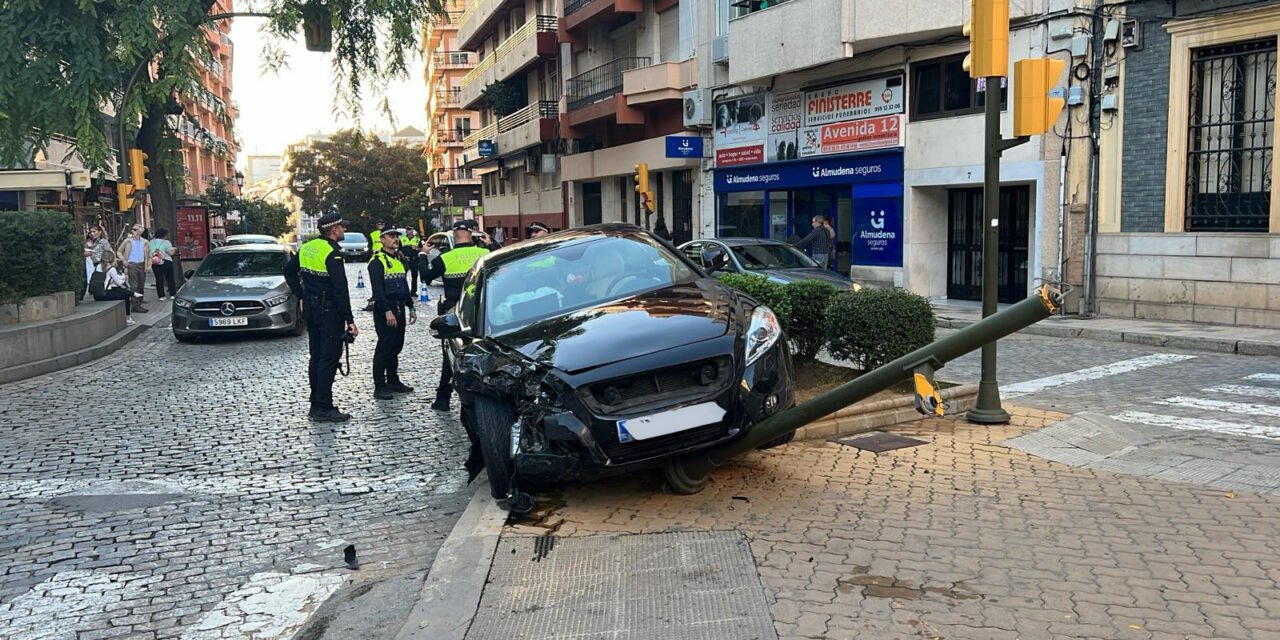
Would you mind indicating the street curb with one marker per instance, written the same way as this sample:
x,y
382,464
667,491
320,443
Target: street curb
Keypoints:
x,y
1215,345
861,418
75,358
450,595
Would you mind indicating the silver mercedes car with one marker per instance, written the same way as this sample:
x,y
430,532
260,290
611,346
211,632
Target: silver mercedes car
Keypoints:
x,y
237,289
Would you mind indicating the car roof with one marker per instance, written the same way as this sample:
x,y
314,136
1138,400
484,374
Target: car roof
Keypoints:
x,y
743,242
247,248
251,235
553,241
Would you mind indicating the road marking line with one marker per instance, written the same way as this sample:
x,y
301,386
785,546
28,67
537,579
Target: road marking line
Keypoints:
x,y
1269,377
1198,424
269,606
54,608
1241,408
1245,390
1092,373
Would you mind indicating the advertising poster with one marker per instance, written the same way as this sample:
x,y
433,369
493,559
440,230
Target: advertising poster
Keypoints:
x,y
740,131
193,234
786,115
877,232
854,101
857,135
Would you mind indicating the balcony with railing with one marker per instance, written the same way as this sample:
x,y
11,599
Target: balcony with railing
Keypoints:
x,y
579,14
481,17
450,98
456,176
454,59
665,81
534,124
536,38
450,137
597,93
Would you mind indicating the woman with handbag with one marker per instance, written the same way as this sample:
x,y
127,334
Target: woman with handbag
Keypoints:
x,y
162,263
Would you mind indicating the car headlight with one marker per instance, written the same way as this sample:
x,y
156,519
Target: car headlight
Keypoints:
x,y
763,334
183,303
278,300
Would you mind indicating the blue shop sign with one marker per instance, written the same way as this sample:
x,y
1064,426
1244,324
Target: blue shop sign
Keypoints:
x,y
877,232
485,148
793,174
684,147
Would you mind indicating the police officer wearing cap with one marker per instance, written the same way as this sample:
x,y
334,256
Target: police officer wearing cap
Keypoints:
x,y
318,277
452,266
537,230
410,246
392,297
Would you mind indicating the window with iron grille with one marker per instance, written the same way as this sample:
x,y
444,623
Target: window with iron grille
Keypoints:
x,y
1231,137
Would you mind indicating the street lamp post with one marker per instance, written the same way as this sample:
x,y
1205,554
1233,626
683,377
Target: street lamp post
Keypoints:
x,y
244,221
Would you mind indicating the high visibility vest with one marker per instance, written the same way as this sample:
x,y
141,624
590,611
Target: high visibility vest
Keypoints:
x,y
314,256
393,276
375,238
414,242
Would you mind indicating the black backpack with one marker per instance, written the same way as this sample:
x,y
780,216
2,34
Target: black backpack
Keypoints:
x,y
98,284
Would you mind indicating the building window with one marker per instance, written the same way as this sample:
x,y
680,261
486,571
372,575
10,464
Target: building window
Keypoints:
x,y
943,89
742,215
1230,136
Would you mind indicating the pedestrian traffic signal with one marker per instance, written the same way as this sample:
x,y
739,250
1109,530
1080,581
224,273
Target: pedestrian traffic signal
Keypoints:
x,y
642,186
124,196
138,169
988,31
1034,110
317,26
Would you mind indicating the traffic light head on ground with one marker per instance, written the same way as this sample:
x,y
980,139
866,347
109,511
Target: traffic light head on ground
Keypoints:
x,y
124,196
138,169
642,185
1034,110
988,31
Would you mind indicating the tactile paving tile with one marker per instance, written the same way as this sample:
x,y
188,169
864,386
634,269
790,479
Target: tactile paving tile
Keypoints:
x,y
700,585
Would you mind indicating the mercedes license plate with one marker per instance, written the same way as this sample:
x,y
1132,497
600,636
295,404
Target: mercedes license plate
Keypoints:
x,y
228,322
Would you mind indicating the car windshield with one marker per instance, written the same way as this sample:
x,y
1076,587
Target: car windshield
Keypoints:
x,y
755,257
352,237
242,264
576,275
251,240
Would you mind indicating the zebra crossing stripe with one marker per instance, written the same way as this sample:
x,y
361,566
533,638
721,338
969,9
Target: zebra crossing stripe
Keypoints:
x,y
1092,373
1198,424
1246,390
1240,408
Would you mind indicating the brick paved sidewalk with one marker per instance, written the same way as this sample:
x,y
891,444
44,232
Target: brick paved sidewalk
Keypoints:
x,y
965,538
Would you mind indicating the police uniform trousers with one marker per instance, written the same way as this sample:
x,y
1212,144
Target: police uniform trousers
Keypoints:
x,y
386,355
445,389
411,265
325,330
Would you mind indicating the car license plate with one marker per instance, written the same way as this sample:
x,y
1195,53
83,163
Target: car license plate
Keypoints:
x,y
668,422
228,322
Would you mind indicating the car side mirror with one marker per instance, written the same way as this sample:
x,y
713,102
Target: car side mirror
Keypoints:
x,y
186,275
713,259
446,327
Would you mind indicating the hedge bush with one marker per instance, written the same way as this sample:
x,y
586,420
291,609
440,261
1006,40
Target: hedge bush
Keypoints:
x,y
765,291
806,302
873,327
43,254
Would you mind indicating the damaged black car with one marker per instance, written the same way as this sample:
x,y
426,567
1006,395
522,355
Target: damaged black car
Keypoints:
x,y
601,350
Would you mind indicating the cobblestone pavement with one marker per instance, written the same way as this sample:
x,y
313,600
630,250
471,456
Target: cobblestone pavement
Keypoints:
x,y
170,490
964,538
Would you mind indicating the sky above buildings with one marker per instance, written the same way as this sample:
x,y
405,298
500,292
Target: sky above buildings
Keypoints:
x,y
281,107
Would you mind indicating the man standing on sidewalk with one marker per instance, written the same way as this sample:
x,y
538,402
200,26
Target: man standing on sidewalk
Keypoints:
x,y
133,251
392,297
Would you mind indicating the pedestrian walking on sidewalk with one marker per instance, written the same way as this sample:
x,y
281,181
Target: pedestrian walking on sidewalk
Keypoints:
x,y
318,277
392,298
133,251
162,263
107,283
95,244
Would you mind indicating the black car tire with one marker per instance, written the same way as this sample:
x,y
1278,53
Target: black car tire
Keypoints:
x,y
493,420
183,336
679,481
299,327
777,442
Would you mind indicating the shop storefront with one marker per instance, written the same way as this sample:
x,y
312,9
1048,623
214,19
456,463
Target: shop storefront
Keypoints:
x,y
861,194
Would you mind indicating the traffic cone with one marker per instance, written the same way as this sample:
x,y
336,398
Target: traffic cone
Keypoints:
x,y
423,296
360,280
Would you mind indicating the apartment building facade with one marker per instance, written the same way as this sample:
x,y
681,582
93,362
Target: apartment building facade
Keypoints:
x,y
1188,229
206,127
516,89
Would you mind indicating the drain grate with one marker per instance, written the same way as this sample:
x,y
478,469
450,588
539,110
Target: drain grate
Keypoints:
x,y
880,442
669,586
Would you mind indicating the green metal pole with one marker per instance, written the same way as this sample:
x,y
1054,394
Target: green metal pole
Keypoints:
x,y
987,409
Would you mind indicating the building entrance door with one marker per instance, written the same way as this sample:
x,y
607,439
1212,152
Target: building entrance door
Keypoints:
x,y
964,244
592,207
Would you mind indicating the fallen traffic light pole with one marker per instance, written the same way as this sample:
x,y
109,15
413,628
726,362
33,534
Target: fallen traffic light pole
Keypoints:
x,y
689,473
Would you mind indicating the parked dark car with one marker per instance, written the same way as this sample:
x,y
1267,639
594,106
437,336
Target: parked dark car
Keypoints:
x,y
777,261
599,349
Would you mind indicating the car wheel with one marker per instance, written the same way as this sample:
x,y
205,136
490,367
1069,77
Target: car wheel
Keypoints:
x,y
183,336
680,481
493,420
777,442
298,325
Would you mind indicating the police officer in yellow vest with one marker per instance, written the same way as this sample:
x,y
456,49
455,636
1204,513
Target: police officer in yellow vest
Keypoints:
x,y
452,267
318,277
375,238
392,298
410,245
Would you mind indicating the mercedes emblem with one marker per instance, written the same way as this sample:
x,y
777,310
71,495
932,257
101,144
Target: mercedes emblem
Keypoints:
x,y
228,308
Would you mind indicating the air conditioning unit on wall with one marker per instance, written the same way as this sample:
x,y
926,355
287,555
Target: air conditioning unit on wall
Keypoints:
x,y
696,111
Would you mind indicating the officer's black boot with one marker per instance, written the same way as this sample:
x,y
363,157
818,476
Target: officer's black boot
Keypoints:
x,y
441,403
383,393
328,414
400,387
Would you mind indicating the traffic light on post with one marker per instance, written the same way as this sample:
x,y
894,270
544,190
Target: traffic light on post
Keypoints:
x,y
1034,110
124,196
642,185
138,169
988,31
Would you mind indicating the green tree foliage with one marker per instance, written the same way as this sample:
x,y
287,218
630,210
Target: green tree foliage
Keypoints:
x,y
39,242
412,208
256,215
360,177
